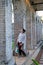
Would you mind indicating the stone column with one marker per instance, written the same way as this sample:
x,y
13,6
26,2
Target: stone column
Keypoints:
x,y
31,33
36,29
6,33
24,20
24,26
18,18
2,31
28,27
42,31
33,30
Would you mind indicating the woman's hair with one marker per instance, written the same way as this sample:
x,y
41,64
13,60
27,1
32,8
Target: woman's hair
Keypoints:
x,y
24,30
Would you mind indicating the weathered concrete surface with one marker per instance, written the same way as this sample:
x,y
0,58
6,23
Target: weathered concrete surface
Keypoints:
x,y
18,18
38,4
2,30
22,8
6,32
28,28
38,30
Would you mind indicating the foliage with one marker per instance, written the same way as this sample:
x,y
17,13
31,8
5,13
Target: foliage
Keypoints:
x,y
35,62
13,45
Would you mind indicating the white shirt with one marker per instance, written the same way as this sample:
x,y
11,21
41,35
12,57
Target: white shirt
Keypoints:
x,y
21,38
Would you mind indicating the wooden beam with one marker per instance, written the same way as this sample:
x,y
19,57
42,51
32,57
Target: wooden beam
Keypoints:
x,y
36,3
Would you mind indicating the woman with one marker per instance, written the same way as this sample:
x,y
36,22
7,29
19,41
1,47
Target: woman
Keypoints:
x,y
20,41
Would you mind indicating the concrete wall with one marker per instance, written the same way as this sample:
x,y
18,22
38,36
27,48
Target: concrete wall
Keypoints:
x,y
2,30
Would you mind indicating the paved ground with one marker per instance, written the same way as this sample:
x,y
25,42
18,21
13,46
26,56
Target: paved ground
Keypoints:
x,y
21,60
41,59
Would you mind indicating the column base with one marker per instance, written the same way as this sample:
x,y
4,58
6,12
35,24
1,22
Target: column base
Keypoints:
x,y
11,62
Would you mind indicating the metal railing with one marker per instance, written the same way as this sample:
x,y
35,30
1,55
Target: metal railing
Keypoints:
x,y
29,58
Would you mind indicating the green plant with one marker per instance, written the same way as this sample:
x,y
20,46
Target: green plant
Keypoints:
x,y
13,45
35,62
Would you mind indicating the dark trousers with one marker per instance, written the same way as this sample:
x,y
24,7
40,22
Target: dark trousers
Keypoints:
x,y
20,49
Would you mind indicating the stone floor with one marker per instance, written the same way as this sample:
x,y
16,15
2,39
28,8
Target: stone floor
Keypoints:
x,y
21,60
41,59
2,64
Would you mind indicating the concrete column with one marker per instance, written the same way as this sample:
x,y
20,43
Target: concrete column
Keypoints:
x,y
28,27
18,18
8,28
24,26
31,33
6,32
42,31
24,20
38,30
2,31
35,28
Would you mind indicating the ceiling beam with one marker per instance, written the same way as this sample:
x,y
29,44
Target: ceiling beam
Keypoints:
x,y
32,3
